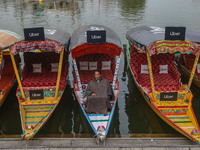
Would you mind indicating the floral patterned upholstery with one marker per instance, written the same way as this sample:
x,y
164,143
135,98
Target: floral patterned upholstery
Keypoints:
x,y
8,74
189,62
162,82
46,78
88,75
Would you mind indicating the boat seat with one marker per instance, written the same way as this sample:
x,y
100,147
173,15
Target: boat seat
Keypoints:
x,y
8,74
43,79
189,62
87,75
46,77
162,82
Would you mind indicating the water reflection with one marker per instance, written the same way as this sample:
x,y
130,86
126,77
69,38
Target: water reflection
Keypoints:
x,y
9,115
132,10
142,119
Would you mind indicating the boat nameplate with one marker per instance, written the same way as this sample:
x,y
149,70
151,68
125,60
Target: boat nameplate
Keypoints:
x,y
168,96
175,33
34,34
36,94
96,37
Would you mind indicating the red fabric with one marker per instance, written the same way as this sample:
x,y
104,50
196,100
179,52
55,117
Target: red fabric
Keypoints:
x,y
189,62
88,75
85,49
46,78
8,74
162,82
43,79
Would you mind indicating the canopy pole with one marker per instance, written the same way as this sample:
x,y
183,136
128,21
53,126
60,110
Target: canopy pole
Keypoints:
x,y
59,72
192,75
151,75
17,74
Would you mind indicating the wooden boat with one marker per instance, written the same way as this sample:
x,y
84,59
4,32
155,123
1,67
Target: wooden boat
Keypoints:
x,y
185,62
7,74
147,52
85,51
43,76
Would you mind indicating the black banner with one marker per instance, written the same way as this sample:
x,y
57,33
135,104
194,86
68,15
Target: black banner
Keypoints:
x,y
36,94
96,37
34,34
175,33
168,96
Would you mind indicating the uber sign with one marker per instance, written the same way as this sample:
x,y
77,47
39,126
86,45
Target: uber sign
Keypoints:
x,y
36,94
175,33
34,34
96,37
168,96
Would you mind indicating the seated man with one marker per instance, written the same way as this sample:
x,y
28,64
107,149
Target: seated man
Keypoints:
x,y
99,93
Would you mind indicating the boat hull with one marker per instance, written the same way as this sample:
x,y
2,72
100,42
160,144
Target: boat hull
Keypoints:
x,y
35,113
99,123
192,131
4,96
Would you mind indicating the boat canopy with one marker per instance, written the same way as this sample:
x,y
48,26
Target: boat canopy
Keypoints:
x,y
7,38
80,46
55,40
153,39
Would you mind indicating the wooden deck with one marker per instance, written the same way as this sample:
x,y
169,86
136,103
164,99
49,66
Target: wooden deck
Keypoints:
x,y
171,143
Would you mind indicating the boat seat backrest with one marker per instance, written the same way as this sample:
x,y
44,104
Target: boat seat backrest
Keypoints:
x,y
137,60
45,59
189,61
97,58
162,59
33,58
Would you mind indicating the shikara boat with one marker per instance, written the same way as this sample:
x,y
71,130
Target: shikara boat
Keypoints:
x,y
185,62
44,75
7,74
95,47
150,56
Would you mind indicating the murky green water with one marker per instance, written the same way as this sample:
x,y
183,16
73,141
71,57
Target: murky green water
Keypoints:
x,y
132,114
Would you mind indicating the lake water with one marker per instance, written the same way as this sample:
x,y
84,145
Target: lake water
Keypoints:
x,y
132,116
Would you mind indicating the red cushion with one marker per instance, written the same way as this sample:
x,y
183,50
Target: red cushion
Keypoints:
x,y
162,82
189,61
7,74
43,79
88,75
46,78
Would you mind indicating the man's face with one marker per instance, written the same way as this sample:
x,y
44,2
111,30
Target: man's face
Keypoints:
x,y
97,75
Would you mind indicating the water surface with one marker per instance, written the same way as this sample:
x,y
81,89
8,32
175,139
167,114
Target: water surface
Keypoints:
x,y
132,115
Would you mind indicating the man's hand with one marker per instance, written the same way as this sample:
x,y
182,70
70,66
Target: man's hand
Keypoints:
x,y
93,94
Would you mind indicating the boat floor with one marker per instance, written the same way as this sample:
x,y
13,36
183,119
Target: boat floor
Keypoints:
x,y
34,117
